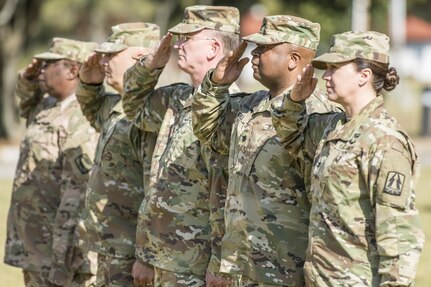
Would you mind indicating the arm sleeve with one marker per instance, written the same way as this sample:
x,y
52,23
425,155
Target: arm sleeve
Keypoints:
x,y
96,105
29,95
76,155
399,236
218,181
143,104
213,114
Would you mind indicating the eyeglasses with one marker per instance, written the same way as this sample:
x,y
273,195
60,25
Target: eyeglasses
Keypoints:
x,y
183,39
47,63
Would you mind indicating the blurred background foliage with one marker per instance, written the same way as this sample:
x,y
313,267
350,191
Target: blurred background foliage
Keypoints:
x,y
27,27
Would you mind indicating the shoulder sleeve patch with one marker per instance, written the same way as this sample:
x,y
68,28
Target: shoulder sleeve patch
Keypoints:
x,y
394,183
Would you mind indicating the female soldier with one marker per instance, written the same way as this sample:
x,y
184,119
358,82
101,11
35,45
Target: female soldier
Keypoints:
x,y
364,227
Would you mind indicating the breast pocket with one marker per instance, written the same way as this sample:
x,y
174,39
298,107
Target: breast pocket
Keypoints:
x,y
339,172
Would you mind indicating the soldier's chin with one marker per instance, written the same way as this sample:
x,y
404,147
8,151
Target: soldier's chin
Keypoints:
x,y
256,75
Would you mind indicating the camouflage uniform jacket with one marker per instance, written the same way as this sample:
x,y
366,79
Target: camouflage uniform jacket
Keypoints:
x,y
364,227
266,207
115,188
49,185
177,227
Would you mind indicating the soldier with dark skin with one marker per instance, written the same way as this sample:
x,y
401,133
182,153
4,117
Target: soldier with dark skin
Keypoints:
x,y
116,185
52,172
364,226
267,206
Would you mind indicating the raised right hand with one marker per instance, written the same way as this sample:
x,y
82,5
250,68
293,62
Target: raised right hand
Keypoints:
x,y
159,57
305,85
229,67
31,72
91,71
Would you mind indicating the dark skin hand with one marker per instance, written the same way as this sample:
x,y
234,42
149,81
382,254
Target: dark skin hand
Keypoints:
x,y
305,85
32,71
229,68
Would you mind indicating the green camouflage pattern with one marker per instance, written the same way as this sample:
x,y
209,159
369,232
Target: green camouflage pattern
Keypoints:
x,y
114,271
177,220
369,45
38,279
267,208
364,226
49,186
199,17
287,29
137,34
62,48
171,279
115,187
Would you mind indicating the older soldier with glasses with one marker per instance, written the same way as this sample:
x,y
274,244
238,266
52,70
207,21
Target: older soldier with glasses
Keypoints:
x,y
181,218
52,173
116,185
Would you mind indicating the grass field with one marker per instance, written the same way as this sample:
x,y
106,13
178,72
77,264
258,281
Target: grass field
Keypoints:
x,y
12,276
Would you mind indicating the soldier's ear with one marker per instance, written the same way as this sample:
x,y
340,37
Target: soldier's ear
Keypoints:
x,y
365,76
73,71
294,60
215,49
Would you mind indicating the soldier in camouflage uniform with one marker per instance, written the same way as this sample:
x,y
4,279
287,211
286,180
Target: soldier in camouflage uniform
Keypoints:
x,y
266,207
364,227
181,219
115,188
52,173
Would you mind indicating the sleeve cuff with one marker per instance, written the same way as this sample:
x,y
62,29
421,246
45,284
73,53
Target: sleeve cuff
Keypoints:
x,y
208,87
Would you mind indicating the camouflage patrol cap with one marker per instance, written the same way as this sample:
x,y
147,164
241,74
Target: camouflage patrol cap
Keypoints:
x,y
350,45
137,34
199,17
62,48
287,29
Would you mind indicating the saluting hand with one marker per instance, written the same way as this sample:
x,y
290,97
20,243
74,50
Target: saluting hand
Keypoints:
x,y
305,84
229,67
91,71
32,71
159,57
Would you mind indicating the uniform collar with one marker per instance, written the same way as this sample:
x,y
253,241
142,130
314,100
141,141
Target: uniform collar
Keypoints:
x,y
350,129
66,102
118,107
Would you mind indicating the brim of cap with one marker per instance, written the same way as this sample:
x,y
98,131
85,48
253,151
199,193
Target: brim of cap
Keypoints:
x,y
329,58
49,56
183,28
259,38
109,47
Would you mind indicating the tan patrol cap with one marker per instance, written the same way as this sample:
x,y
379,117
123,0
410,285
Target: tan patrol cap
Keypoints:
x,y
137,34
62,48
351,45
199,17
287,29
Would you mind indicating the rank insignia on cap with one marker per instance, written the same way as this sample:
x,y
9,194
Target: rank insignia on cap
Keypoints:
x,y
394,183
